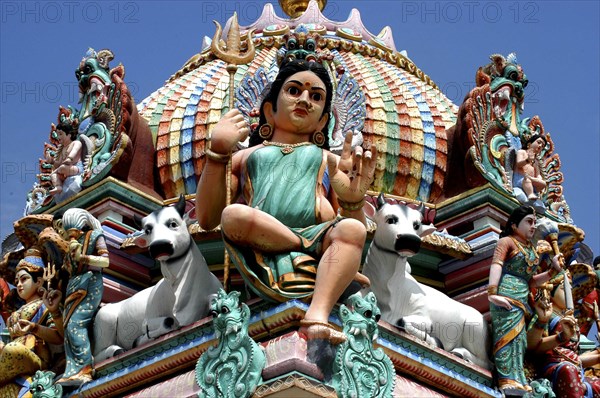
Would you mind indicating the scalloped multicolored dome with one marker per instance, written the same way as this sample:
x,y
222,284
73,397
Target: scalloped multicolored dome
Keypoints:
x,y
381,96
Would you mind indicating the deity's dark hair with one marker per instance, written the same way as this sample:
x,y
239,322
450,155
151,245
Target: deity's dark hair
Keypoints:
x,y
515,218
533,138
288,69
69,129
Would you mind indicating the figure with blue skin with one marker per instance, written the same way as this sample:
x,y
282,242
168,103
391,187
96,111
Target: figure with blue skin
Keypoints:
x,y
514,268
84,262
286,226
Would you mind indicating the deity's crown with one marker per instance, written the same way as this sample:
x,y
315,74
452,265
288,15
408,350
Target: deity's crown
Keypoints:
x,y
32,261
103,57
302,44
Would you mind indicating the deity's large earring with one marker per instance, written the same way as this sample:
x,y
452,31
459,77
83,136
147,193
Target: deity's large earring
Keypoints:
x,y
318,138
265,131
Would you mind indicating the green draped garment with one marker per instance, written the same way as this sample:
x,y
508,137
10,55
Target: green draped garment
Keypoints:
x,y
508,326
286,186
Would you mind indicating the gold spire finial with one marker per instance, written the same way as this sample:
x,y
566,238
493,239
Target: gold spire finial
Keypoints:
x,y
295,8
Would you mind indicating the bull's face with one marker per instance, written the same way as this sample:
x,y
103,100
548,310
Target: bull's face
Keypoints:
x,y
400,229
165,232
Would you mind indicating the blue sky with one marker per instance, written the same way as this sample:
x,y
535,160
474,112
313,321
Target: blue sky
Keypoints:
x,y
41,44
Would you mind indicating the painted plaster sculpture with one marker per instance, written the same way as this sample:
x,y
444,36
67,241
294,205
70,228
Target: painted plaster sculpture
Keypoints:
x,y
282,236
360,370
86,258
32,327
66,158
180,298
541,389
553,341
389,102
232,368
491,137
42,385
112,136
514,269
527,175
421,310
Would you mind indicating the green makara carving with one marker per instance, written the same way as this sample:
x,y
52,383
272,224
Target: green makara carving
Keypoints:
x,y
542,388
42,385
234,367
360,371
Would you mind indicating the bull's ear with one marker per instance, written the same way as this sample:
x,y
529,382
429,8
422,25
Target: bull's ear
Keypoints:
x,y
180,205
137,221
427,230
380,201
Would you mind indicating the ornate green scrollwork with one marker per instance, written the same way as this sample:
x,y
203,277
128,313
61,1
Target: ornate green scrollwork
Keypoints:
x,y
234,367
359,370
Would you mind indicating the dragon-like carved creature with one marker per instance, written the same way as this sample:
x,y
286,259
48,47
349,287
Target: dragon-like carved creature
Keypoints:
x,y
233,368
42,385
490,130
115,139
360,370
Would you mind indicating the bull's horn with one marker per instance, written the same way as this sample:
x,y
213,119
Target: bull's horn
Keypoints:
x,y
421,209
137,221
180,206
380,201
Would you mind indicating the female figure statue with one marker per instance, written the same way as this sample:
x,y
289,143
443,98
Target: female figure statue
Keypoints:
x,y
87,256
292,187
32,327
514,267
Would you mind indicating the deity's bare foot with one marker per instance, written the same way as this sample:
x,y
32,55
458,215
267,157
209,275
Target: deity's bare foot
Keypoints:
x,y
363,280
532,197
84,376
321,330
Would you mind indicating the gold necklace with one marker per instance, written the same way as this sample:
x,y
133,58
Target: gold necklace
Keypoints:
x,y
531,258
286,148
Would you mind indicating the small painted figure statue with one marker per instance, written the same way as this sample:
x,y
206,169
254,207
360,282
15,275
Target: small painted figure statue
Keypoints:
x,y
514,268
32,327
291,188
527,171
86,258
554,342
67,161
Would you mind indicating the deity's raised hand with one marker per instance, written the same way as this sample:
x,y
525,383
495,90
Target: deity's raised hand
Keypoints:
x,y
569,325
231,129
52,299
352,175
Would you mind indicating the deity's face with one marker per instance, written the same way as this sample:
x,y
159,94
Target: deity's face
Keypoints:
x,y
63,137
526,228
58,227
537,145
300,105
27,288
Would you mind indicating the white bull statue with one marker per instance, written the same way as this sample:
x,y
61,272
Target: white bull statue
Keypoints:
x,y
421,310
181,298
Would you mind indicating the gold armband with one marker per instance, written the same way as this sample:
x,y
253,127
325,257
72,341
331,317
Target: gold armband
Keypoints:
x,y
351,206
217,157
492,289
